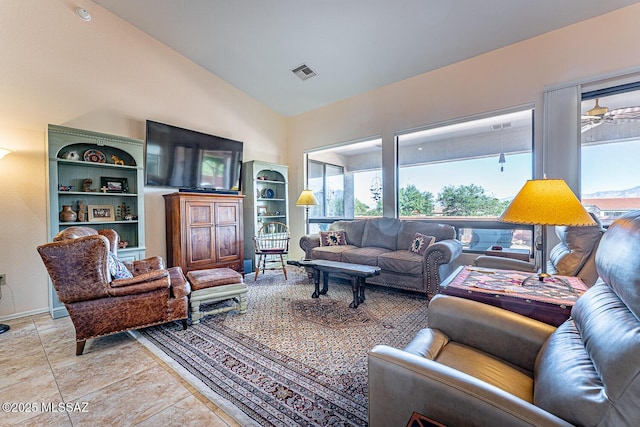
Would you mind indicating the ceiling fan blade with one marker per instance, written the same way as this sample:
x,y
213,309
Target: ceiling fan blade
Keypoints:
x,y
589,125
628,113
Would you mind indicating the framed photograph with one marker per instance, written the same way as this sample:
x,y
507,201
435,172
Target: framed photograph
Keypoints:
x,y
100,213
114,185
262,210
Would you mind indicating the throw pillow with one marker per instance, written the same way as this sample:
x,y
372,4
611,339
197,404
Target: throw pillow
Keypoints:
x,y
420,243
117,269
333,238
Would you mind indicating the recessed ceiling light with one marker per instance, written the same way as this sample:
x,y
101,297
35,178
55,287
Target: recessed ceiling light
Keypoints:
x,y
83,14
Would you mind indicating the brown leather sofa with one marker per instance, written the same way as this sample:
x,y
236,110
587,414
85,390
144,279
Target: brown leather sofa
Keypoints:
x,y
575,255
479,365
98,304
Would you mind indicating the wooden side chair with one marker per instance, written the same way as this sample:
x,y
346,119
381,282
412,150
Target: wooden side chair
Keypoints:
x,y
271,245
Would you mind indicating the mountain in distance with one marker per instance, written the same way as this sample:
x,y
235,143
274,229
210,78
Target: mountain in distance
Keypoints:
x,y
611,194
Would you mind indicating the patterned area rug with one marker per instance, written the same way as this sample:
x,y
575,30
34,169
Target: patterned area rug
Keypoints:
x,y
291,360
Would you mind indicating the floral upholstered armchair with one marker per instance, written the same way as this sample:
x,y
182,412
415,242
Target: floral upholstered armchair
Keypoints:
x,y
105,296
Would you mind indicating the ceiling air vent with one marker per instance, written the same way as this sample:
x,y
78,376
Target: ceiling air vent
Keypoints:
x,y
304,72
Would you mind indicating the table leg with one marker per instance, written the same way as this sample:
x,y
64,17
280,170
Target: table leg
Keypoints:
x,y
316,282
361,286
355,285
325,283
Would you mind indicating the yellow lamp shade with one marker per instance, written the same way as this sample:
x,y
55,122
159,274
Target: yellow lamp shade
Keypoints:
x,y
306,199
546,202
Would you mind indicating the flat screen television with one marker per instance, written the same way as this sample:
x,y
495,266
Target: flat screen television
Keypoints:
x,y
191,160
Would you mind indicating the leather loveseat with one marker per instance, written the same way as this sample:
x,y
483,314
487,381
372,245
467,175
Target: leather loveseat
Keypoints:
x,y
386,242
574,255
479,365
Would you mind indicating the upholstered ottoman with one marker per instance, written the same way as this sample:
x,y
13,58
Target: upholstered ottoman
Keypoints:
x,y
213,285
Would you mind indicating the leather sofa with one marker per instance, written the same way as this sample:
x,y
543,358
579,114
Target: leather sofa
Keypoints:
x,y
574,255
385,242
479,365
100,304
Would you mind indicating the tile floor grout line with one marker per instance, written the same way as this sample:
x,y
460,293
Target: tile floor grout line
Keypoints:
x,y
46,355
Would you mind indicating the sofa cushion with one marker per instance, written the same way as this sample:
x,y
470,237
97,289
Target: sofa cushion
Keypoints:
x,y
408,230
364,256
382,233
353,230
403,262
420,243
117,269
333,238
331,253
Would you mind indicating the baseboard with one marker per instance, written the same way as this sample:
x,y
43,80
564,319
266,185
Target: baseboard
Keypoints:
x,y
25,314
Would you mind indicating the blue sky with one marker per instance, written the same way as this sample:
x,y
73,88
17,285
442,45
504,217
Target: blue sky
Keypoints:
x,y
605,167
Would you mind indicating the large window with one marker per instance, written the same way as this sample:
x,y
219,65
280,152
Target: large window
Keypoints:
x,y
347,181
610,151
468,171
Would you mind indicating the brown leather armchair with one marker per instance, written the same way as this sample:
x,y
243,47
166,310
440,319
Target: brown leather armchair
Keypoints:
x,y
98,304
479,365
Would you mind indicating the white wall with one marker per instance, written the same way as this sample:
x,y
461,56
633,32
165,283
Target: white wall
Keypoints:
x,y
512,76
104,76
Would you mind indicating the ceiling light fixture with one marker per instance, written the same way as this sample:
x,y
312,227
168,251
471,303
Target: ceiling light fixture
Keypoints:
x,y
83,14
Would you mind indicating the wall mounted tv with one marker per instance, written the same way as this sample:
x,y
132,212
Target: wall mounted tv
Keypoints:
x,y
191,160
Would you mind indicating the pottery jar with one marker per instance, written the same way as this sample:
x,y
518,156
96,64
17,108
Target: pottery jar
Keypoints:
x,y
67,214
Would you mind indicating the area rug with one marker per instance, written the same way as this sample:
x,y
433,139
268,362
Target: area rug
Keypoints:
x,y
290,360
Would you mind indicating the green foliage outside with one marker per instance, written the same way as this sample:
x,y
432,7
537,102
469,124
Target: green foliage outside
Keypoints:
x,y
360,209
463,200
414,202
469,200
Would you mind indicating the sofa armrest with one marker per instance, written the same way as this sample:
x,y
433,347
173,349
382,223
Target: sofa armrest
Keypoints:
x,y
146,282
440,254
180,286
308,242
401,383
487,261
494,330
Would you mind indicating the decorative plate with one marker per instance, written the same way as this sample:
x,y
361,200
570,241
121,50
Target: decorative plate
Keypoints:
x,y
94,156
269,193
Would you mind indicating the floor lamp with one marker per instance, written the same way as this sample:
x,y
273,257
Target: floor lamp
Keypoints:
x,y
306,199
546,202
4,152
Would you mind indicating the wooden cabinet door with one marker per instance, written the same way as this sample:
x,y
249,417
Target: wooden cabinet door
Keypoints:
x,y
228,239
200,234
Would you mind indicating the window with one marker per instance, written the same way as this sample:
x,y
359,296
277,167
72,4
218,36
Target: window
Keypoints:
x,y
610,151
468,171
347,181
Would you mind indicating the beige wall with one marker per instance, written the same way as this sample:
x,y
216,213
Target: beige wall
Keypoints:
x,y
104,76
512,76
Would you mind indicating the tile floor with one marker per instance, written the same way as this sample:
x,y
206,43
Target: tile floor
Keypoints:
x,y
116,382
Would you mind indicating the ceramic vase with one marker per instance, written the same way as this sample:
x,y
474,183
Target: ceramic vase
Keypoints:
x,y
67,214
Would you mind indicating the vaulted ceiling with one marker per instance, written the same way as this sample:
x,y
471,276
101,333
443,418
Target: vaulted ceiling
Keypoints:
x,y
354,46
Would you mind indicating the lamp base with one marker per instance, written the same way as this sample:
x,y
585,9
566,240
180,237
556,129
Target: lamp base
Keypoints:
x,y
4,328
538,279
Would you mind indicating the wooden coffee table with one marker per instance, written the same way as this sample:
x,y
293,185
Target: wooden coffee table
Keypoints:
x,y
549,301
357,272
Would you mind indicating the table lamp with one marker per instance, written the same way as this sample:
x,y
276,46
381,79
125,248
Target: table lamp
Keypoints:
x,y
307,199
546,202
